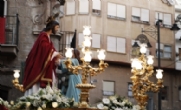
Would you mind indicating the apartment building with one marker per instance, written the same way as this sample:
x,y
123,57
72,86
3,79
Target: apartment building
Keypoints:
x,y
115,24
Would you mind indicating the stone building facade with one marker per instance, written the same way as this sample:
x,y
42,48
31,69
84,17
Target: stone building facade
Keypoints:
x,y
115,24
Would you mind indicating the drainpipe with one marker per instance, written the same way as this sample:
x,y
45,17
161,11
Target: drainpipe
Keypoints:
x,y
5,8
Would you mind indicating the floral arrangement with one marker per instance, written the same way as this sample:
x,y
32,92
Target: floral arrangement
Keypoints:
x,y
116,103
4,103
44,98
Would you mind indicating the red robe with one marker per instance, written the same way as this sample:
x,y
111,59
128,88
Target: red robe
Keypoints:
x,y
3,107
39,66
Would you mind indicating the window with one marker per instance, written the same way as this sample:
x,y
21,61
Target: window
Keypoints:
x,y
116,44
164,93
171,2
179,90
96,40
108,88
130,93
1,8
69,37
165,51
140,15
165,18
179,53
96,7
178,5
116,11
70,8
83,6
178,2
81,39
61,11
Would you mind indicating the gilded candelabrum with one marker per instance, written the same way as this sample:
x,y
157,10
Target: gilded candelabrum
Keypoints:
x,y
85,69
142,70
16,81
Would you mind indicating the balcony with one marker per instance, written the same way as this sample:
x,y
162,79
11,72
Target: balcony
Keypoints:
x,y
9,47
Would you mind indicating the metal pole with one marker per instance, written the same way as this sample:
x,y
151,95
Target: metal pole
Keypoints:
x,y
17,29
158,35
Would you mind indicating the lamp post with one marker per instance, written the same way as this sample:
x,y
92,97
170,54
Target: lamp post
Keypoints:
x,y
85,68
151,31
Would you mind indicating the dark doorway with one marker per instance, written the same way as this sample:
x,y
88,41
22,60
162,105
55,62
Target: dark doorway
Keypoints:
x,y
4,91
1,8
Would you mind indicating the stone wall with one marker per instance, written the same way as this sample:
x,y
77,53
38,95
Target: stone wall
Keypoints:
x,y
32,16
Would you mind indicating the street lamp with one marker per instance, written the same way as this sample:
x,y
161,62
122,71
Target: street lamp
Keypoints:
x,y
141,39
155,33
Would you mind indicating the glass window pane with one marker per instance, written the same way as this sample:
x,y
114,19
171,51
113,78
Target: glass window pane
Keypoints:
x,y
167,48
167,55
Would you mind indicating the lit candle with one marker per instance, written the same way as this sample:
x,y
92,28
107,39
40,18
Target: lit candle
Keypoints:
x,y
150,59
68,52
16,73
28,104
54,104
143,48
86,30
87,56
159,74
101,55
87,42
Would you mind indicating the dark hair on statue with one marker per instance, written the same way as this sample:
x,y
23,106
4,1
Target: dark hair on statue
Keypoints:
x,y
76,54
51,23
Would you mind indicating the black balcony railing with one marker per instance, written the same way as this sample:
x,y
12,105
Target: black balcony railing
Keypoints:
x,y
12,29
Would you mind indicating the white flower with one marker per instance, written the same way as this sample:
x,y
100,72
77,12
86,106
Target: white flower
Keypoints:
x,y
44,106
54,104
43,96
115,101
67,105
56,97
36,98
105,100
36,103
39,108
123,103
136,107
56,91
75,104
105,107
64,99
125,108
112,98
6,104
100,106
49,90
28,104
125,100
118,109
49,97
59,99
30,97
